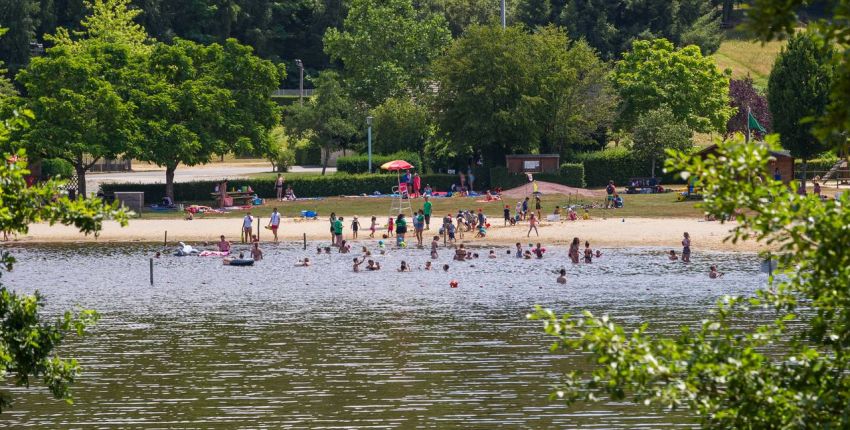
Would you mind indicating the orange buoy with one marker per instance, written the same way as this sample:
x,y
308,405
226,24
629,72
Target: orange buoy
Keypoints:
x,y
453,283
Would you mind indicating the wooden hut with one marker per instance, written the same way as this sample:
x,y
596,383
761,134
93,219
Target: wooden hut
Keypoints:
x,y
782,161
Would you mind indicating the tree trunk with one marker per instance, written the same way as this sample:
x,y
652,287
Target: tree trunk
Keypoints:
x,y
653,168
169,181
325,157
81,178
803,181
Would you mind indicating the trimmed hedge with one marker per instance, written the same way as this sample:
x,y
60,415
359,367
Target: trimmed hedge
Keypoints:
x,y
619,165
819,165
53,167
360,163
573,174
304,186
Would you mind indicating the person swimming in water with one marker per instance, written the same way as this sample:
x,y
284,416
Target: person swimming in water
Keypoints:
x,y
460,253
357,263
373,265
492,254
223,245
518,250
427,265
713,273
563,278
404,267
538,250
256,252
445,267
672,256
301,263
598,253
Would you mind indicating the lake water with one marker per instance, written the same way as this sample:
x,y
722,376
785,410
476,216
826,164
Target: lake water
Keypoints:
x,y
275,346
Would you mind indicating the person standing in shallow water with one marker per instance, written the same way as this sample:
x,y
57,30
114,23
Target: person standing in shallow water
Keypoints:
x,y
573,253
686,248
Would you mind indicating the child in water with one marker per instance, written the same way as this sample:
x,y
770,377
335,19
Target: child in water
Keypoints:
x,y
435,242
445,267
538,250
373,265
256,252
357,263
518,250
427,265
301,263
492,254
672,256
404,267
713,273
588,253
563,278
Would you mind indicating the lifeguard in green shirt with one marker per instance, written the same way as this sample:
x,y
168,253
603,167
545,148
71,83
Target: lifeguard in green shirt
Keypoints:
x,y
426,209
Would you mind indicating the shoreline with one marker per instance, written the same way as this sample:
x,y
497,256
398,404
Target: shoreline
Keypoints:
x,y
610,233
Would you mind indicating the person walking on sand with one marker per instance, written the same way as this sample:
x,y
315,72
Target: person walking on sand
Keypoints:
x,y
278,187
686,248
337,229
532,225
274,222
247,224
426,210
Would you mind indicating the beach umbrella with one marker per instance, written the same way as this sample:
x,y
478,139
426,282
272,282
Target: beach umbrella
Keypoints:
x,y
396,165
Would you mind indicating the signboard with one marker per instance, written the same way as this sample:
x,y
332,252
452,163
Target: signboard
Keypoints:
x,y
533,165
451,171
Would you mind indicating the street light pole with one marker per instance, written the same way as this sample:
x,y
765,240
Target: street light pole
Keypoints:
x,y
369,140
504,21
300,81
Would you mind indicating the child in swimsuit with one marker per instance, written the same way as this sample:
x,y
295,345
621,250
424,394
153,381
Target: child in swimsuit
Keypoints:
x,y
434,244
563,278
686,248
588,253
373,227
357,263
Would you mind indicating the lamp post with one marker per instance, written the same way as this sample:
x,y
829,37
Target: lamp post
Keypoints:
x,y
300,81
369,140
504,20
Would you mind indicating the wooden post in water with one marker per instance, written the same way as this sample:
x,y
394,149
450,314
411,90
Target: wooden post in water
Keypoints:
x,y
165,241
305,241
151,271
258,229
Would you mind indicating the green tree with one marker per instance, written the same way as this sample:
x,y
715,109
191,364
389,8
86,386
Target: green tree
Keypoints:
x,y
401,125
78,90
281,149
656,132
534,13
203,100
798,91
733,375
655,74
327,118
19,19
386,49
462,14
29,341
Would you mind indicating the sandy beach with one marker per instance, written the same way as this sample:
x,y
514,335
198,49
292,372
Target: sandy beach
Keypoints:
x,y
615,232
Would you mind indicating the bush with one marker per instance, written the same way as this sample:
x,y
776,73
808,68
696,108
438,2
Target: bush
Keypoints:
x,y
360,163
816,166
304,186
573,174
53,167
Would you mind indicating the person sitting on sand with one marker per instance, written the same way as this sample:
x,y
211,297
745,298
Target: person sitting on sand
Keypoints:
x,y
404,267
672,256
460,253
303,263
492,254
563,278
435,243
356,265
713,273
586,215
572,214
223,245
256,252
482,231
373,265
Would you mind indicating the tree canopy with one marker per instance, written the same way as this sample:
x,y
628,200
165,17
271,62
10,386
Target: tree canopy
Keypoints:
x,y
509,91
386,48
655,74
656,132
798,91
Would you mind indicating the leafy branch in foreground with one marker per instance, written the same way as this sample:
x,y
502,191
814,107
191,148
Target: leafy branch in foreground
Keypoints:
x,y
27,342
733,376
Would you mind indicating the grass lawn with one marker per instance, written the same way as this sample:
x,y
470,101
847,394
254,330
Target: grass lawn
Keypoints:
x,y
744,56
640,205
